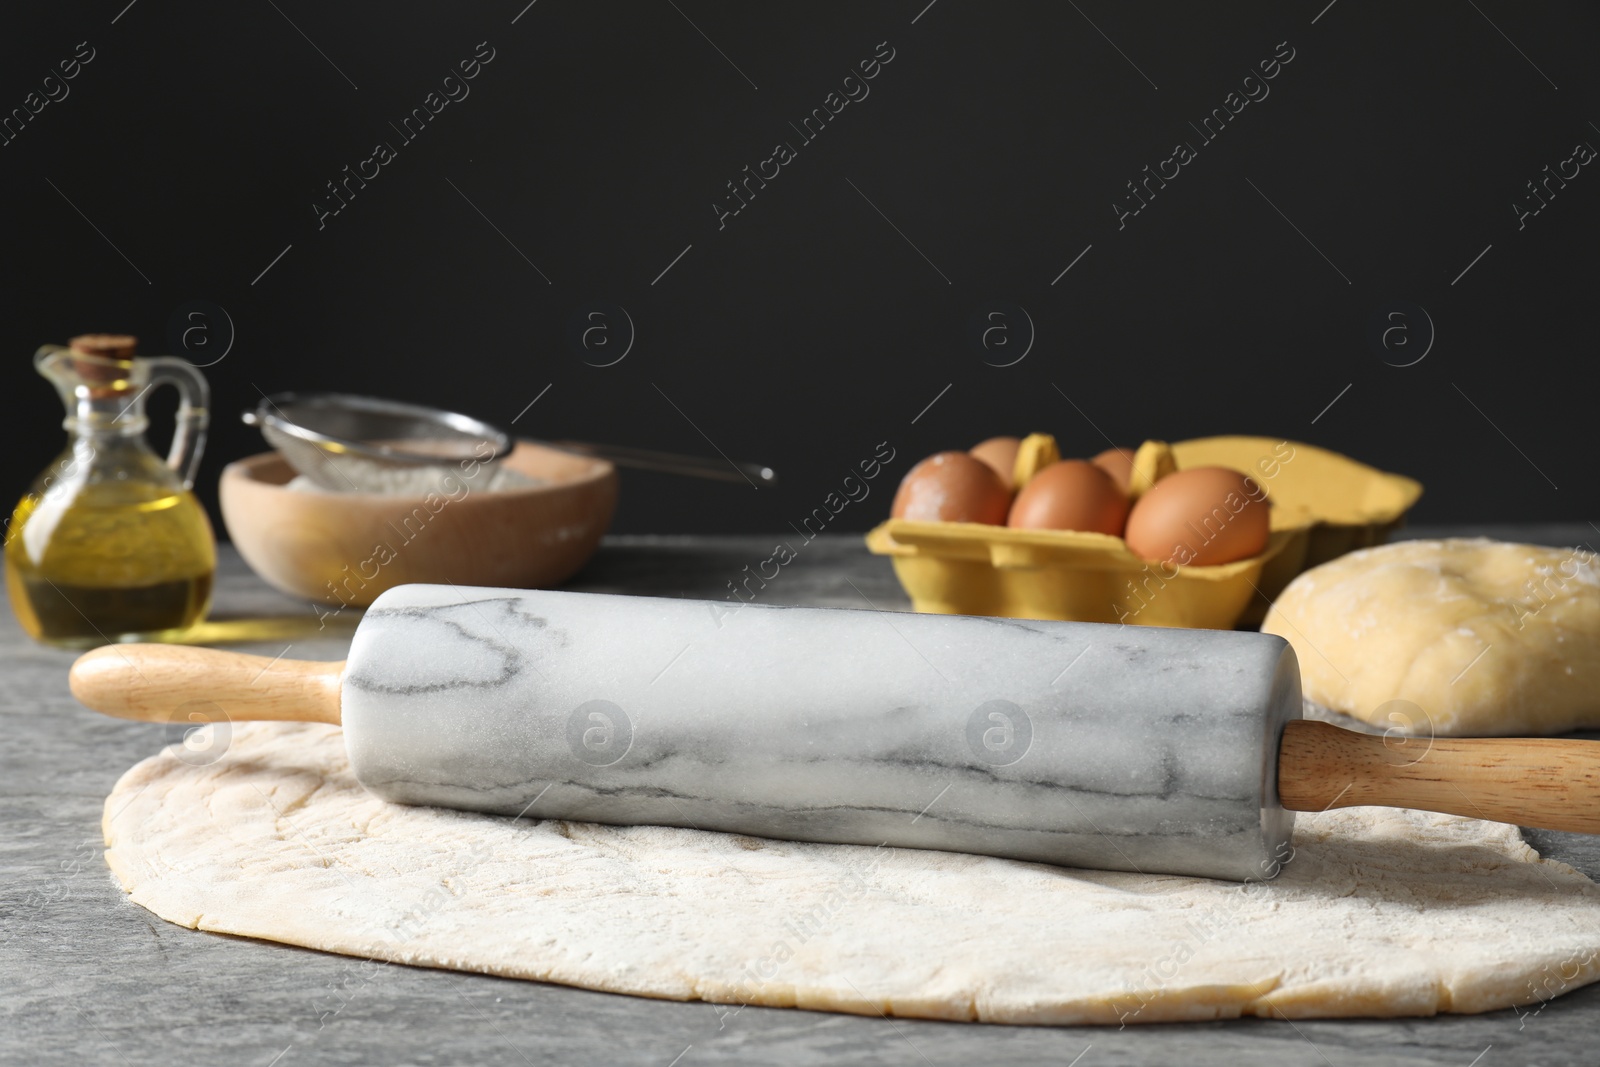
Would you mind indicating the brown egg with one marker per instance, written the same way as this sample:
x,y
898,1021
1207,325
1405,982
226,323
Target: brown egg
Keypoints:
x,y
1117,462
1071,495
952,487
1200,517
999,453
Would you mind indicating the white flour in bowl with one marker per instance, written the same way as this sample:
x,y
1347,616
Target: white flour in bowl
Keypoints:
x,y
419,481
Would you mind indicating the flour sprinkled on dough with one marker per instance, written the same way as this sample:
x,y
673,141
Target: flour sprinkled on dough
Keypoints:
x,y
1381,913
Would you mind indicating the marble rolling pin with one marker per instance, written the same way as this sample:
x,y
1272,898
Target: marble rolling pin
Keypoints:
x,y
1086,745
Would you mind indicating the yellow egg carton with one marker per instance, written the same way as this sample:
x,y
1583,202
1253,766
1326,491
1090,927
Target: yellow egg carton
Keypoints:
x,y
1323,505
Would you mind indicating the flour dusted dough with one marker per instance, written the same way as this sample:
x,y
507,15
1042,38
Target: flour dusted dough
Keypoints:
x,y
1486,638
1382,912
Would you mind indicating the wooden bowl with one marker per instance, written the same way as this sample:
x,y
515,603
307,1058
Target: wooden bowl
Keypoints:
x,y
346,548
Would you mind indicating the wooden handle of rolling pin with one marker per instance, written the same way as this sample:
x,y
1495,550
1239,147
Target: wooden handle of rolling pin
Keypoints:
x,y
173,683
1545,782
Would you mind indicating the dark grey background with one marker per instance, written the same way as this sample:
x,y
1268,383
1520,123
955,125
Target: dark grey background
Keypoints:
x,y
828,315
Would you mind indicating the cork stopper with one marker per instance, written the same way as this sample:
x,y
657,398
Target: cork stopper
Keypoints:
x,y
106,363
107,345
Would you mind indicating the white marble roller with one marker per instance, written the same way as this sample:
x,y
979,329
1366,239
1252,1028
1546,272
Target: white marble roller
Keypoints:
x,y
1121,747
1125,747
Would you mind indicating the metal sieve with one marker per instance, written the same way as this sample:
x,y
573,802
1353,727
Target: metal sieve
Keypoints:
x,y
344,443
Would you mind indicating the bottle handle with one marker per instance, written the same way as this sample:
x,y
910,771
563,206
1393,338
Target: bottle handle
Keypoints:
x,y
194,402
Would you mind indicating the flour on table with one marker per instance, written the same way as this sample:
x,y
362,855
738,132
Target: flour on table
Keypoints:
x,y
1381,913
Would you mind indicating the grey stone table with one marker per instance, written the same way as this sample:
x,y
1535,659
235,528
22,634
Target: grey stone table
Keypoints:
x,y
88,977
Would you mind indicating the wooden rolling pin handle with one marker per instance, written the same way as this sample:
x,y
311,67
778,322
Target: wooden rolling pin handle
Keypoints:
x,y
1545,782
180,683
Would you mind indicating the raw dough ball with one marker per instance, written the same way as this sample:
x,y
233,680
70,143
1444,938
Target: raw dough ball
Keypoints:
x,y
1487,638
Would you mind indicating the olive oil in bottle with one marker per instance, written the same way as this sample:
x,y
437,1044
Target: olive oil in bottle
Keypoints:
x,y
109,544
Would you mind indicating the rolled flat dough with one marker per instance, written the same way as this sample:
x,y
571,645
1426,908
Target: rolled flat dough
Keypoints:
x,y
1382,912
1465,637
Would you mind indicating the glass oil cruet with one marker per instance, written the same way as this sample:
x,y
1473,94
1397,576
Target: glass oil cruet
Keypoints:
x,y
109,543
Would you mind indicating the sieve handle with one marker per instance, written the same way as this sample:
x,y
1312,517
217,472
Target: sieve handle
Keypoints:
x,y
720,469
